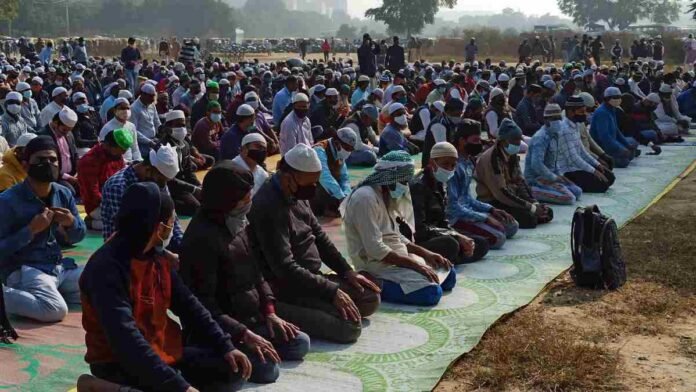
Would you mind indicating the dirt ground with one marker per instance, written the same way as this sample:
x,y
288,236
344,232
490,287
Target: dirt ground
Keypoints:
x,y
639,338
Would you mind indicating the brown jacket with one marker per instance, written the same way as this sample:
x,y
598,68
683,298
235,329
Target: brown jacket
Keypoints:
x,y
499,178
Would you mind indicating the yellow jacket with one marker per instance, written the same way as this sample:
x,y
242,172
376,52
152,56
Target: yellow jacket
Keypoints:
x,y
11,172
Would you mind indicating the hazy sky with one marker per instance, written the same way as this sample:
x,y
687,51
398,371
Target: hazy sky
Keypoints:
x,y
536,7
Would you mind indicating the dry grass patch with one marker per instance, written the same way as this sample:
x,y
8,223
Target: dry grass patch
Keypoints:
x,y
687,347
530,351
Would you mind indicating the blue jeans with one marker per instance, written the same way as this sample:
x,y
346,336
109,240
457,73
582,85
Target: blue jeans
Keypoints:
x,y
34,294
427,296
292,350
556,193
649,135
620,160
131,79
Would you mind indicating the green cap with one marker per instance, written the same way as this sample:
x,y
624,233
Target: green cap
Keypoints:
x,y
213,105
212,84
123,137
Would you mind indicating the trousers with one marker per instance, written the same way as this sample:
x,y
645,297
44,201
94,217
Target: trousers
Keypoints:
x,y
292,350
319,318
556,193
201,367
523,216
496,238
448,247
588,182
427,296
34,294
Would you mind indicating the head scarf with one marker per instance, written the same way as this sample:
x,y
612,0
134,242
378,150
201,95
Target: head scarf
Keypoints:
x,y
394,167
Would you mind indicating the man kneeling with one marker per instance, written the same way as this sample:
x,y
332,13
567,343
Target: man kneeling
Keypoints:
x,y
128,286
373,214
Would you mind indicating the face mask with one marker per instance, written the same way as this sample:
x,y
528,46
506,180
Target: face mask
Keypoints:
x,y
301,113
402,100
214,97
304,192
26,94
254,104
14,108
59,82
442,175
43,172
442,90
399,191
179,133
615,102
123,115
580,118
258,156
512,149
83,108
554,126
343,154
216,117
201,78
165,242
401,120
473,149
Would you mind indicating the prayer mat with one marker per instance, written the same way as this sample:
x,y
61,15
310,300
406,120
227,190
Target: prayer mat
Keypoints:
x,y
402,348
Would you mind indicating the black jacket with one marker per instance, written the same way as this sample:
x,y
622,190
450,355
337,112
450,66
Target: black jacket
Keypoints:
x,y
429,203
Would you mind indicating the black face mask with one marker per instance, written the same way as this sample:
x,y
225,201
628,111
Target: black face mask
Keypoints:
x,y
473,149
301,113
258,156
43,172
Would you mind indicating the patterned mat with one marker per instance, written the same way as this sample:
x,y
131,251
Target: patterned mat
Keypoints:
x,y
403,348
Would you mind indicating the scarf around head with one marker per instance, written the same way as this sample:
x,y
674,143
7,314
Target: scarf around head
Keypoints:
x,y
394,167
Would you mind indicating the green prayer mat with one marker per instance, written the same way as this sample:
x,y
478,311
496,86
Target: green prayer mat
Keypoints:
x,y
402,348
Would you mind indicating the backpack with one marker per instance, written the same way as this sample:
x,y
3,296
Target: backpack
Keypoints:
x,y
597,259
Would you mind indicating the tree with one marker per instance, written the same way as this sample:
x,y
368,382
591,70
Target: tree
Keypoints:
x,y
9,9
619,14
408,16
347,31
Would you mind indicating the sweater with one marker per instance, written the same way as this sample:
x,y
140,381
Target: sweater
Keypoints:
x,y
93,170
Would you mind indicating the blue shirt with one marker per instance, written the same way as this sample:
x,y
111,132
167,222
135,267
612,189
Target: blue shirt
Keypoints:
x,y
392,140
231,142
105,107
42,251
359,95
339,187
687,102
542,157
280,102
605,131
112,193
46,55
461,205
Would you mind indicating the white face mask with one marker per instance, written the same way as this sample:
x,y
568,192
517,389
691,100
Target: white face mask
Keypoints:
x,y
253,104
401,120
179,133
615,102
14,108
214,97
343,154
123,115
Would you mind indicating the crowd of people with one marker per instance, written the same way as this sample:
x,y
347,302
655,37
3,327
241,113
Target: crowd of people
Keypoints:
x,y
124,138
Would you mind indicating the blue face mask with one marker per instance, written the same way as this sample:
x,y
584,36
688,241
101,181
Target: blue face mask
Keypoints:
x,y
512,149
442,175
399,191
403,100
216,117
84,108
554,127
26,94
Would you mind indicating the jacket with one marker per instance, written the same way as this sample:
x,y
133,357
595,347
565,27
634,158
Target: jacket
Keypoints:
x,y
11,171
395,58
542,157
93,170
526,117
124,314
499,179
429,206
334,172
87,129
605,130
223,271
18,246
293,244
367,60
462,205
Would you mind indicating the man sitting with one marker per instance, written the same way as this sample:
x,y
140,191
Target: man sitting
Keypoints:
x,y
122,113
96,167
668,118
294,246
432,231
334,181
393,138
499,180
467,215
12,171
231,141
361,123
526,114
574,162
410,274
208,131
252,157
39,215
160,166
12,124
296,128
541,168
128,288
222,269
605,130
442,127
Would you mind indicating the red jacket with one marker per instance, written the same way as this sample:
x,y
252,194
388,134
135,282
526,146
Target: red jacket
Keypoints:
x,y
422,93
93,170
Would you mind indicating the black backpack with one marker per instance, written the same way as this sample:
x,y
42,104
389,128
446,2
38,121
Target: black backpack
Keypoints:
x,y
597,259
